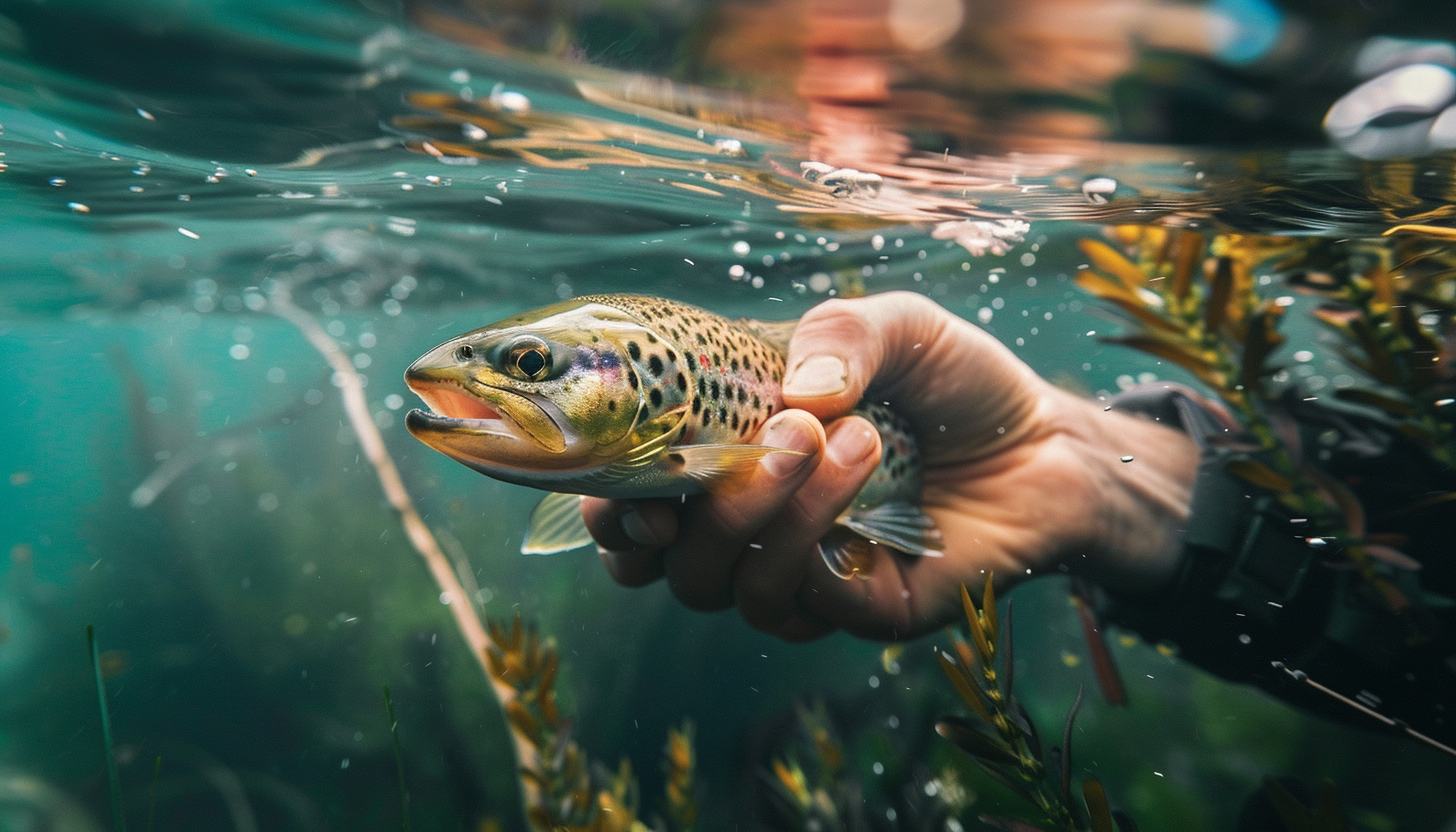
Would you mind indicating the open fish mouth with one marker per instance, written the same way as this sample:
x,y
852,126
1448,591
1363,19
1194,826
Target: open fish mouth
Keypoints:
x,y
453,408
478,423
455,411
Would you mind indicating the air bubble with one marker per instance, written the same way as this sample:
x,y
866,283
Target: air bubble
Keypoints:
x,y
1099,190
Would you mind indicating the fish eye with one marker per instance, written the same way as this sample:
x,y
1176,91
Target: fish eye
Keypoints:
x,y
464,352
529,358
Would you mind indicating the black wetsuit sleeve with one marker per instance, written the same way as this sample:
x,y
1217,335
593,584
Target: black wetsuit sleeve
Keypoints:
x,y
1261,598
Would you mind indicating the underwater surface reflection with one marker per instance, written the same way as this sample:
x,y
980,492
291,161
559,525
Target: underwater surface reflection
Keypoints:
x,y
200,200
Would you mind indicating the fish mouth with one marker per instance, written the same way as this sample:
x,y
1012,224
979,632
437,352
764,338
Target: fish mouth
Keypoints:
x,y
486,428
451,407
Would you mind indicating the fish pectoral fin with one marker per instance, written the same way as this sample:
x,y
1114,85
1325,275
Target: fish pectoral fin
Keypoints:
x,y
556,526
901,526
709,464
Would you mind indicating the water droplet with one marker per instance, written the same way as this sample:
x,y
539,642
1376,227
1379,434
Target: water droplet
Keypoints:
x,y
1244,638
741,248
78,207
1127,459
473,132
57,181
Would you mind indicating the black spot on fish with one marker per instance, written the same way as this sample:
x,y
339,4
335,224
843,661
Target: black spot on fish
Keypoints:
x,y
682,382
632,378
756,404
733,365
735,421
714,389
742,396
651,339
612,405
655,365
671,356
634,350
702,386
722,415
656,397
697,406
701,340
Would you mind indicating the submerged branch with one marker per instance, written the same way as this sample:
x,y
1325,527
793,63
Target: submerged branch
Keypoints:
x,y
461,605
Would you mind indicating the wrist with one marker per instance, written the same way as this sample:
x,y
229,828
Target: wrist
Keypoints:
x,y
1133,494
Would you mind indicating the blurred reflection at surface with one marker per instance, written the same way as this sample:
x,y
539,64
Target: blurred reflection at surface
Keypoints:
x,y
875,79
969,96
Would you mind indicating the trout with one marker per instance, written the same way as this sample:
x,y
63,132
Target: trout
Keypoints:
x,y
626,396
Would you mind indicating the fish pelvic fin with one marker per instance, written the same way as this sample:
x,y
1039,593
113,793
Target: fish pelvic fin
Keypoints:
x,y
713,464
556,526
846,553
900,525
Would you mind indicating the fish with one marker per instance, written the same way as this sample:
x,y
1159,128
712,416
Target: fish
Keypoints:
x,y
628,396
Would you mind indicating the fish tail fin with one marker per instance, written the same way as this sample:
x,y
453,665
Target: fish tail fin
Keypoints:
x,y
556,526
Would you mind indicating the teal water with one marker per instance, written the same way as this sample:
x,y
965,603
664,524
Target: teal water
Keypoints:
x,y
180,474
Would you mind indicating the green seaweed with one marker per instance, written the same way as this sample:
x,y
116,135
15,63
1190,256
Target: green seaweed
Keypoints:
x,y
118,818
404,808
1001,737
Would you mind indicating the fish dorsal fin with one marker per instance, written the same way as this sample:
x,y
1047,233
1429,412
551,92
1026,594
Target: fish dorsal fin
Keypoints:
x,y
774,333
901,526
709,464
556,526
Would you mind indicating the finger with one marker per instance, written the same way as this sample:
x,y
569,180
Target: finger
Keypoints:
x,y
901,342
900,597
716,528
630,536
773,568
840,346
801,627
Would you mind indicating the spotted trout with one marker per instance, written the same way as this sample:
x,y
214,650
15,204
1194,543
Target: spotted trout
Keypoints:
x,y
626,396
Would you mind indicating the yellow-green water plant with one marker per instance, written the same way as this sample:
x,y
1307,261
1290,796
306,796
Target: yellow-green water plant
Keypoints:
x,y
1193,300
1000,736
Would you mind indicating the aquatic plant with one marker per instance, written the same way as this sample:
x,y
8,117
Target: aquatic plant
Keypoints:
x,y
118,817
680,762
1001,736
561,793
1194,302
814,785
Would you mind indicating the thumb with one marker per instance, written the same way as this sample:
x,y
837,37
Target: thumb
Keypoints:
x,y
943,373
841,347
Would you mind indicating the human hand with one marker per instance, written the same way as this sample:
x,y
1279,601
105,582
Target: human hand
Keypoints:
x,y
1021,477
